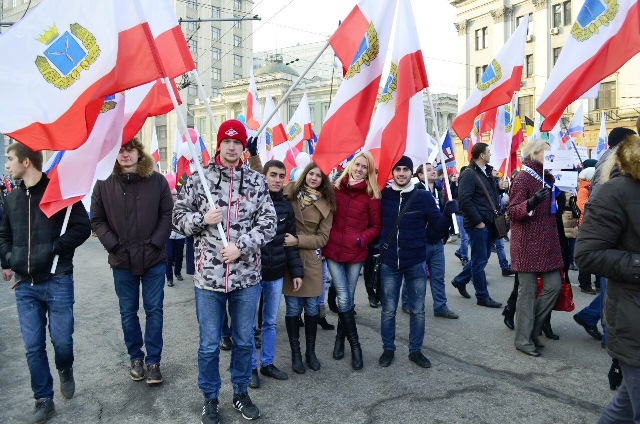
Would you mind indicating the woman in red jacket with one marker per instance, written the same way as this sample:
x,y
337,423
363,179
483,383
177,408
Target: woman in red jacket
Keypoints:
x,y
356,223
535,246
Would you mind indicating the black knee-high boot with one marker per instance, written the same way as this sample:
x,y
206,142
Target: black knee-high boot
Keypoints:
x,y
331,299
310,330
293,331
350,329
338,348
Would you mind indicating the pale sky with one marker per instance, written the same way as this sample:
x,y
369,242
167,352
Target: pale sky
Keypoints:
x,y
287,23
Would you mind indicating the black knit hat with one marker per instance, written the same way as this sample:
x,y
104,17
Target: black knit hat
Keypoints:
x,y
618,134
589,163
404,161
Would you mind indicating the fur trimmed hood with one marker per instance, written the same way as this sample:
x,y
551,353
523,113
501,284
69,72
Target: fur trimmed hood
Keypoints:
x,y
146,166
624,159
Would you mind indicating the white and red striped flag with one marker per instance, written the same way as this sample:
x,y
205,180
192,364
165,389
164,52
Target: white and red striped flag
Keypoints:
x,y
361,44
154,150
398,126
253,119
498,82
272,139
605,35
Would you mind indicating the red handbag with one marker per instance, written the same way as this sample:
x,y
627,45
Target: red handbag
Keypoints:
x,y
564,302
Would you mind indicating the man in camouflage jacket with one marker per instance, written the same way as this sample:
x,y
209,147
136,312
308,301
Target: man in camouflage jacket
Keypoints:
x,y
231,273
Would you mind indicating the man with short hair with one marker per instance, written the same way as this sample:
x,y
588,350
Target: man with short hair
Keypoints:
x,y
175,250
405,257
478,221
131,215
43,295
227,274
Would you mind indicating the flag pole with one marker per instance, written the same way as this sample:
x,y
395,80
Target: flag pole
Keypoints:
x,y
293,86
199,170
62,231
203,96
442,158
514,99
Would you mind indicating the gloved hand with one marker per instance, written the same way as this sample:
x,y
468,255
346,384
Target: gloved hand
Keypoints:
x,y
450,207
252,146
537,198
615,375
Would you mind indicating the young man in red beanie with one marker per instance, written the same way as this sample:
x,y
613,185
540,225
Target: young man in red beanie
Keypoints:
x,y
226,274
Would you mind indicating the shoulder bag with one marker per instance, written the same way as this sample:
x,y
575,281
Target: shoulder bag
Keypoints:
x,y
500,220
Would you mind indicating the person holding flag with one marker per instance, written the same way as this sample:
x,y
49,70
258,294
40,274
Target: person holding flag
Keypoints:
x,y
43,295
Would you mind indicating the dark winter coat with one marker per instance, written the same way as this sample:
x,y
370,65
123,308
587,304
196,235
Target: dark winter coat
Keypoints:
x,y
535,243
407,246
608,245
29,240
473,201
131,215
356,223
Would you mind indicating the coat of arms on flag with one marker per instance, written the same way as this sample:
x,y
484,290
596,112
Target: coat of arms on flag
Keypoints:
x,y
67,55
390,86
492,74
594,14
367,52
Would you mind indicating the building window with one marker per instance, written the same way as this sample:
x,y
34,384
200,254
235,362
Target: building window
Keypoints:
x,y
192,91
566,12
529,27
237,41
237,4
163,153
237,76
525,106
215,53
202,126
215,91
193,46
192,4
215,12
556,54
161,132
192,26
215,33
237,60
528,69
479,71
236,24
216,74
606,96
482,41
557,15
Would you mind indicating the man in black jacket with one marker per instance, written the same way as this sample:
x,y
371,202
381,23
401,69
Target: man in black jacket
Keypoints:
x,y
41,292
276,259
479,222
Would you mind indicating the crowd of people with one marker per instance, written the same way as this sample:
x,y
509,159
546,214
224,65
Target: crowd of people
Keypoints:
x,y
251,237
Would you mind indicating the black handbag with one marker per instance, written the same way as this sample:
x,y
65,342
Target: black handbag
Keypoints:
x,y
500,220
375,273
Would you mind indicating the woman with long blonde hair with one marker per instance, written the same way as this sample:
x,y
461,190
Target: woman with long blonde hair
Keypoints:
x,y
356,223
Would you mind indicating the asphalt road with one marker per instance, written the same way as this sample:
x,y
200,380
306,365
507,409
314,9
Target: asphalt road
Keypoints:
x,y
477,375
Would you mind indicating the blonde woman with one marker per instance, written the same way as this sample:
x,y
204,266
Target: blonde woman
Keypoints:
x,y
356,223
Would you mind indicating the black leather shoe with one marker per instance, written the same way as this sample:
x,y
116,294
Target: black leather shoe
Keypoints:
x,y
548,332
462,290
537,343
490,303
592,331
447,314
419,359
508,272
373,302
225,343
533,353
255,380
273,372
179,277
386,358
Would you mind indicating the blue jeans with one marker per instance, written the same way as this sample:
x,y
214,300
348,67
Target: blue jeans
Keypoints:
x,y
128,290
295,305
325,278
53,297
415,277
435,262
189,256
625,406
592,313
345,278
481,242
463,249
211,307
271,295
502,255
175,253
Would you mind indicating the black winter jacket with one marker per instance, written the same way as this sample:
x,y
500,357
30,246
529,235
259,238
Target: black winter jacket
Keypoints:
x,y
472,199
275,257
29,240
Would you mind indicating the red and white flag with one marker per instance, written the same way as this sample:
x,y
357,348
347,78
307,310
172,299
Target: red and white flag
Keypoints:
x,y
272,140
253,120
299,127
62,60
154,150
605,35
498,82
398,126
76,172
501,137
361,44
151,99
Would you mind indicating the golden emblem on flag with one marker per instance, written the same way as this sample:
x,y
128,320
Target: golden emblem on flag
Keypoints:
x,y
66,55
367,52
508,122
593,15
294,131
269,139
390,86
492,74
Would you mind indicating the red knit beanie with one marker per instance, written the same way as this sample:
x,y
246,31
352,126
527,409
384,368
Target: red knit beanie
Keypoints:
x,y
232,129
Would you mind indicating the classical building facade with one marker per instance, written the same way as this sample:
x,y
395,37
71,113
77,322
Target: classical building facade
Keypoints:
x,y
485,25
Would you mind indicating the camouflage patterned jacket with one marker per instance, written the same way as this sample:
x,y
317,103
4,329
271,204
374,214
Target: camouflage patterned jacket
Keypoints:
x,y
249,221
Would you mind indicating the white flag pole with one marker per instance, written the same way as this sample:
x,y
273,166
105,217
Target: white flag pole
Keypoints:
x,y
62,231
293,86
203,96
442,158
199,170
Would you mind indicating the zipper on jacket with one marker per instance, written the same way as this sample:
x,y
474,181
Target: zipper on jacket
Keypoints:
x,y
229,207
398,232
29,238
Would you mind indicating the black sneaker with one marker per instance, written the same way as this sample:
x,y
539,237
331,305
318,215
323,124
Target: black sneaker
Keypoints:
x,y
225,343
136,373
462,290
255,379
210,413
508,272
67,383
242,402
179,277
386,358
273,372
153,374
419,359
170,283
43,410
447,314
